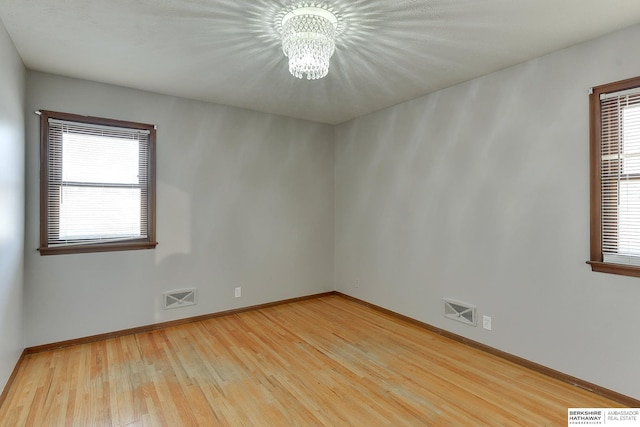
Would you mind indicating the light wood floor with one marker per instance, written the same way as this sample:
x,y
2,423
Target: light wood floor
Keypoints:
x,y
326,361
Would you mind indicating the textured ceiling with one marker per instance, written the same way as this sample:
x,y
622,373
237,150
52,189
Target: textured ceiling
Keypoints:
x,y
229,52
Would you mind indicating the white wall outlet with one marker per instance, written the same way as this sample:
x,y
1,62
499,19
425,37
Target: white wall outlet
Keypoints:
x,y
486,322
357,283
238,292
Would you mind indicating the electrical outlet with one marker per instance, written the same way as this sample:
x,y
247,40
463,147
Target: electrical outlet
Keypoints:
x,y
357,283
238,292
486,322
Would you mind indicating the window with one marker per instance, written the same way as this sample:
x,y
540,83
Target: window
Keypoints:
x,y
97,184
615,178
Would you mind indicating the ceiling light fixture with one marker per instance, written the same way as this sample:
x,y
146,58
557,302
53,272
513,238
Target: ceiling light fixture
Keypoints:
x,y
309,39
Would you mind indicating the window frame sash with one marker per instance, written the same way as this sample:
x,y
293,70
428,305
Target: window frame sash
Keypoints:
x,y
148,197
596,259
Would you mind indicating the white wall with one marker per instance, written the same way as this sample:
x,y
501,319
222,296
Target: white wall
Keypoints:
x,y
244,199
12,81
480,192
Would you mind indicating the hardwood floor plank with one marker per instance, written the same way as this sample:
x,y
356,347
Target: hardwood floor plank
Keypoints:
x,y
325,361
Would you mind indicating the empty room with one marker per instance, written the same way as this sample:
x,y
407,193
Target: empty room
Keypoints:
x,y
368,212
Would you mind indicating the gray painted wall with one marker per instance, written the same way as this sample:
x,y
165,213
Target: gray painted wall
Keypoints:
x,y
480,192
244,199
12,81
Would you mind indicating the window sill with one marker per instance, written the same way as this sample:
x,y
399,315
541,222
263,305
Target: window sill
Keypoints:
x,y
620,269
80,249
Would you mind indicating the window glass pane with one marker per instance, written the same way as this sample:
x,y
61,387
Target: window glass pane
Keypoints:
x,y
90,212
631,139
629,218
92,158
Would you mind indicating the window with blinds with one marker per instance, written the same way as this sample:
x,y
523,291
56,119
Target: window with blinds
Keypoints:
x,y
97,184
615,177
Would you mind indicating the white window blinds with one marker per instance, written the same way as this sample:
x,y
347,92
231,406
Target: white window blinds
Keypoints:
x,y
98,181
620,176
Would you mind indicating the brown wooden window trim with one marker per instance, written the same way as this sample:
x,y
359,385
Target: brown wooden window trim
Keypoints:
x,y
133,244
595,130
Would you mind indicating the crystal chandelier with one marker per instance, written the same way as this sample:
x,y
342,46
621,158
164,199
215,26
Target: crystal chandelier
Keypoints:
x,y
308,40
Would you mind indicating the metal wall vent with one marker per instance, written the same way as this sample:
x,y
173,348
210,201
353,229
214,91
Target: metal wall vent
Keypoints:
x,y
460,311
179,298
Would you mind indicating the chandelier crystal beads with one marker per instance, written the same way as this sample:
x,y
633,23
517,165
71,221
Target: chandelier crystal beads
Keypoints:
x,y
308,40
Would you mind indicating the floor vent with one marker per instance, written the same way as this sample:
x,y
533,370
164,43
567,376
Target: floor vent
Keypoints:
x,y
460,311
179,298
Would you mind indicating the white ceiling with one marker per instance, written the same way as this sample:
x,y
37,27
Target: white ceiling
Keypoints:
x,y
228,52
